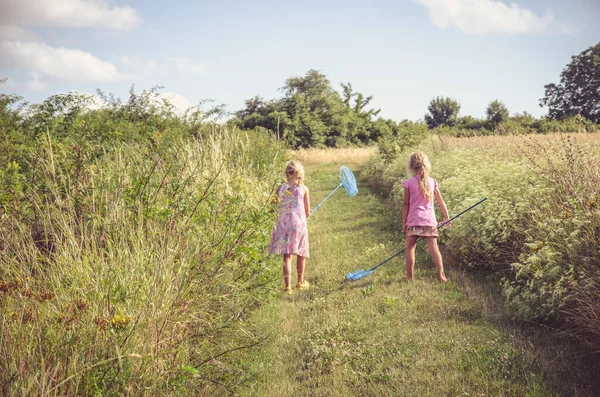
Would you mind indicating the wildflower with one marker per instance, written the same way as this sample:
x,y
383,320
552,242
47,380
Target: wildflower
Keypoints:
x,y
119,322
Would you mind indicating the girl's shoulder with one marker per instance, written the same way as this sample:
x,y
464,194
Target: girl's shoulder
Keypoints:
x,y
408,182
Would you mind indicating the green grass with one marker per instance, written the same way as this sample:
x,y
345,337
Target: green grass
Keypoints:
x,y
381,335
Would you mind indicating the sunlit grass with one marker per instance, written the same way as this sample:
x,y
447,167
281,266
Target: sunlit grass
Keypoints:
x,y
379,336
332,155
128,277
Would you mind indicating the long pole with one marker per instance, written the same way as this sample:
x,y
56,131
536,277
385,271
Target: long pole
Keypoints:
x,y
325,199
440,226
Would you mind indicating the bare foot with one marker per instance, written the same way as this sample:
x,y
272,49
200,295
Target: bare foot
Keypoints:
x,y
443,279
408,278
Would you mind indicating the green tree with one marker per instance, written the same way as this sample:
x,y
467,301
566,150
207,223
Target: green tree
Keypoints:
x,y
361,128
578,90
470,123
496,113
311,104
442,111
312,113
10,126
396,138
253,105
258,113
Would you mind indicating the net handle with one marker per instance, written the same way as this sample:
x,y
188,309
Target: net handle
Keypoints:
x,y
325,199
440,226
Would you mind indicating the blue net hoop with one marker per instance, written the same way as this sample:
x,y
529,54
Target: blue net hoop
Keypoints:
x,y
348,181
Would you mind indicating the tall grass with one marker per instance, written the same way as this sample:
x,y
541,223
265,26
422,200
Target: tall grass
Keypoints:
x,y
539,231
132,273
557,273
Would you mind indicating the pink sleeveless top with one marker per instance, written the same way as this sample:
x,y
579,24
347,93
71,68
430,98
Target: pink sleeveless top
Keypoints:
x,y
421,212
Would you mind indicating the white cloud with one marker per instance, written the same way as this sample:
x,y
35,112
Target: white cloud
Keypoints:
x,y
67,13
21,49
179,102
485,16
62,63
95,102
36,83
186,66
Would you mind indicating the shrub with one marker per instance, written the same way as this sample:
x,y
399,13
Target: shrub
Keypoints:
x,y
126,271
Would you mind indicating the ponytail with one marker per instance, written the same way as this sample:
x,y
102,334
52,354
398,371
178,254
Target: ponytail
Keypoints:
x,y
424,185
418,165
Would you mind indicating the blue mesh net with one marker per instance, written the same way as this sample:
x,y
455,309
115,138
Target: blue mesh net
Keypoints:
x,y
348,181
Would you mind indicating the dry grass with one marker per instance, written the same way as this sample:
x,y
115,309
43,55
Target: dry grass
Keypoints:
x,y
355,155
114,283
511,143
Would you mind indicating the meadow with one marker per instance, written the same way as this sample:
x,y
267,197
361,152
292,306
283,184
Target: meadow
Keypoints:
x,y
383,335
133,261
539,232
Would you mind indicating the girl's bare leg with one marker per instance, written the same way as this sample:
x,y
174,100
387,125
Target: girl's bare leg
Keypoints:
x,y
287,269
411,242
300,265
437,258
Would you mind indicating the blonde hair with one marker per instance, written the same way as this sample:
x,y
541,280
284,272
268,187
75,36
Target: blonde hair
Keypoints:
x,y
294,170
418,164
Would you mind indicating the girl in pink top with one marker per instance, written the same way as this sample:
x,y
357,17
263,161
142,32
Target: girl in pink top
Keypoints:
x,y
290,236
418,213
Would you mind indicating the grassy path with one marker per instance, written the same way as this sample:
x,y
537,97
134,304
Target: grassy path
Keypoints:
x,y
379,336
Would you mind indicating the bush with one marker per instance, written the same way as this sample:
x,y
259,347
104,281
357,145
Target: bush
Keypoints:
x,y
556,275
131,252
539,231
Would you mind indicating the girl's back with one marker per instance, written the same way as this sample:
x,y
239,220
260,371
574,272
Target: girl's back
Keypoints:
x,y
421,210
291,232
291,202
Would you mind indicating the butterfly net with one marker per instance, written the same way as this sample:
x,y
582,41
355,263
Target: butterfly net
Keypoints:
x,y
348,181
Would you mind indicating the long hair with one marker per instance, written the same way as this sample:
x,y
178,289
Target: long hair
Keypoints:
x,y
418,164
295,171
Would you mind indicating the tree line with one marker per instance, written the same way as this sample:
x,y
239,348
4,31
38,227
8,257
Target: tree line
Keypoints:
x,y
312,113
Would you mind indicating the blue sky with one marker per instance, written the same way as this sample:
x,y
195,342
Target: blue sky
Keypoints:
x,y
402,52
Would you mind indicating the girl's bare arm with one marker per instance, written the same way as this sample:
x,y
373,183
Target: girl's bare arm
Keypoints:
x,y
442,204
405,209
306,202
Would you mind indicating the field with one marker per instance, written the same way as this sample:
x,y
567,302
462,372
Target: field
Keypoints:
x,y
145,271
384,336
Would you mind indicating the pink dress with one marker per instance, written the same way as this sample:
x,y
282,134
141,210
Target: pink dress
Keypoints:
x,y
421,219
291,232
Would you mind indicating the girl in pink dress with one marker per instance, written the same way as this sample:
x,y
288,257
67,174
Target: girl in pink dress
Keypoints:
x,y
418,213
290,236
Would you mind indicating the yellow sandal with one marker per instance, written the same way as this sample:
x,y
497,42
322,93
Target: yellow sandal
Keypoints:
x,y
303,285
